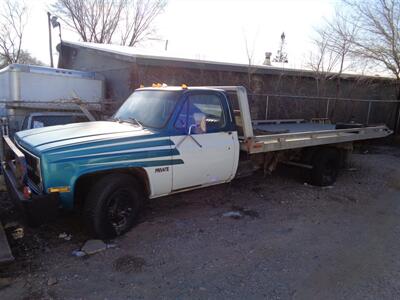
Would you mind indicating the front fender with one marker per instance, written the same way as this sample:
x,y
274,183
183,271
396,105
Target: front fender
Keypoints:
x,y
67,174
63,167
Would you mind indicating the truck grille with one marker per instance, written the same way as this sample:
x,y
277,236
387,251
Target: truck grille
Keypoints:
x,y
33,169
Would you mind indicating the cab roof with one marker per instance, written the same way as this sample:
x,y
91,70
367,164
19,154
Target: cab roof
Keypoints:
x,y
179,88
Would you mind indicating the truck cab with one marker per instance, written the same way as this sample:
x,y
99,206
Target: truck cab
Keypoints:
x,y
166,140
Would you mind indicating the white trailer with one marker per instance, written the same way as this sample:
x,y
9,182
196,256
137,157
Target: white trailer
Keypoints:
x,y
27,88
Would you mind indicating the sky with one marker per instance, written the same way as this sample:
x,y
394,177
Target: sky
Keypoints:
x,y
212,29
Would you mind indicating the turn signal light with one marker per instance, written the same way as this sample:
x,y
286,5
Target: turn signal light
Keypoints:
x,y
60,189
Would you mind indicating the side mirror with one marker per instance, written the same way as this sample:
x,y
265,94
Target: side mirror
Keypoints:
x,y
191,128
200,124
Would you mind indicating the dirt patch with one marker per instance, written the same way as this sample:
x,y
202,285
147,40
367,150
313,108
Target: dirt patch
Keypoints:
x,y
129,263
393,180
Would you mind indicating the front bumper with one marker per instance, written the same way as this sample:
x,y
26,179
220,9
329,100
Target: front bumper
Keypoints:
x,y
37,208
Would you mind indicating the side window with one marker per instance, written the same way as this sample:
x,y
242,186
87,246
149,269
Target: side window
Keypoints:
x,y
207,107
25,123
181,121
211,107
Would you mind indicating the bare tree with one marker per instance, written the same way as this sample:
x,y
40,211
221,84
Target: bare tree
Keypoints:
x,y
322,60
249,55
332,55
125,22
340,38
13,18
94,20
137,23
377,42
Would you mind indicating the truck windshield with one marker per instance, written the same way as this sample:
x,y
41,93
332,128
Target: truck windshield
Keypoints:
x,y
149,108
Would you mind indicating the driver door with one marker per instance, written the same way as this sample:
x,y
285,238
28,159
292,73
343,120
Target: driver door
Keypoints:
x,y
208,153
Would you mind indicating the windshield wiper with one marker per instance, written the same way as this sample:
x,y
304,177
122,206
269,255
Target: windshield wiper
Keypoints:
x,y
115,120
131,120
136,121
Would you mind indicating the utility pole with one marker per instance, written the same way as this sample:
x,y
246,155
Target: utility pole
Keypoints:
x,y
54,23
50,41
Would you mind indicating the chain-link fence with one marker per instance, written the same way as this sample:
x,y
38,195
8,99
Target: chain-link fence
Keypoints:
x,y
365,111
262,106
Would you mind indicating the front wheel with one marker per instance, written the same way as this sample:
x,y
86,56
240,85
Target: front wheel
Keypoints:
x,y
112,205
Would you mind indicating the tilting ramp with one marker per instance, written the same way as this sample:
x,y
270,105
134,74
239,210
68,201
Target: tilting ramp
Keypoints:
x,y
285,141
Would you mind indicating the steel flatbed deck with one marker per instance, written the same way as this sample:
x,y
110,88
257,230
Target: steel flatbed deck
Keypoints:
x,y
293,140
289,126
292,134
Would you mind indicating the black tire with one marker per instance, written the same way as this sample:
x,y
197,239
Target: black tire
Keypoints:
x,y
326,164
112,205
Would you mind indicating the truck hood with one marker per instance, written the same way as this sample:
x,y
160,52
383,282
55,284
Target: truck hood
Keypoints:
x,y
46,139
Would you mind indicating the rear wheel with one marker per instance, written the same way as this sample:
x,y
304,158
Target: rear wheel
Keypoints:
x,y
112,205
326,164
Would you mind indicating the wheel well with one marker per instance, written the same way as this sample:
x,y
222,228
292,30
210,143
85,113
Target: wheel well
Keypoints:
x,y
85,182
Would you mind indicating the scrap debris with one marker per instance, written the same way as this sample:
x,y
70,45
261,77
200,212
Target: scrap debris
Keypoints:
x,y
18,233
233,214
92,247
65,236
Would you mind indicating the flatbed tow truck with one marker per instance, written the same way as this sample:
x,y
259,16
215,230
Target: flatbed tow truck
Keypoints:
x,y
163,140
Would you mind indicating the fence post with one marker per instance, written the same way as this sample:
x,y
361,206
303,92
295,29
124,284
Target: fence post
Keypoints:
x,y
369,111
266,108
327,108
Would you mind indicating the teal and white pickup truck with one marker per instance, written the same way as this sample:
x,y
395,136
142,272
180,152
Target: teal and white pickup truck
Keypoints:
x,y
162,140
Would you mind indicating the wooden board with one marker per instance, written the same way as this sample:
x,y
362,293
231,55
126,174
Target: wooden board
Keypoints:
x,y
5,251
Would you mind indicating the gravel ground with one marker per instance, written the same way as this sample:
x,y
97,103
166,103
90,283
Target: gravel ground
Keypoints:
x,y
292,241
